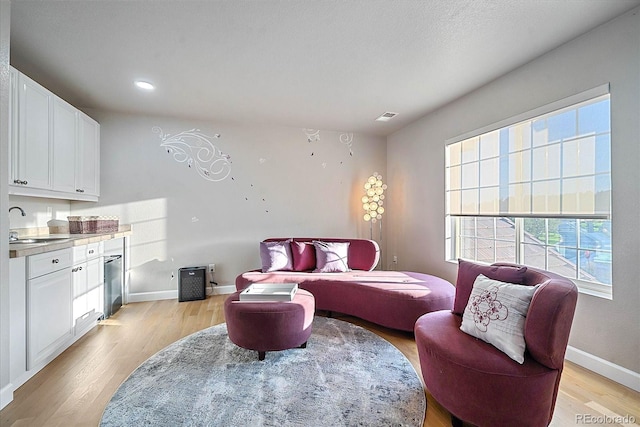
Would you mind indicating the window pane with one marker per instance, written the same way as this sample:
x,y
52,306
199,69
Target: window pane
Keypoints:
x,y
467,227
535,230
485,250
505,251
595,266
586,266
455,154
468,248
557,263
520,166
603,153
490,172
454,177
562,126
594,118
455,203
578,195
489,200
540,132
470,202
486,227
566,228
578,157
520,137
535,255
490,144
505,229
469,150
520,198
546,162
603,194
546,197
470,175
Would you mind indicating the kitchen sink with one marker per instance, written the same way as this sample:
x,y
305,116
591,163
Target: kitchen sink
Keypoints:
x,y
31,240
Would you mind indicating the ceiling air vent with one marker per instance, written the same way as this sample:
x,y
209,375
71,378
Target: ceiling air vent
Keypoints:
x,y
386,117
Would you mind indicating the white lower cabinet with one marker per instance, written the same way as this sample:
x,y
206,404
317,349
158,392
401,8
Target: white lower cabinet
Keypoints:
x,y
49,322
55,298
88,293
88,286
61,301
95,287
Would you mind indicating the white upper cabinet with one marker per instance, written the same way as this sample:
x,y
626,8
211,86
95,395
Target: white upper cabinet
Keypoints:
x,y
33,150
55,148
64,145
88,156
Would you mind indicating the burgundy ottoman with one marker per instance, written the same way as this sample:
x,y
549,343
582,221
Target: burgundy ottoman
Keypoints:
x,y
270,325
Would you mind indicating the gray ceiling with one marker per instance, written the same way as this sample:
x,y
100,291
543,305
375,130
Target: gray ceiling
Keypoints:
x,y
322,64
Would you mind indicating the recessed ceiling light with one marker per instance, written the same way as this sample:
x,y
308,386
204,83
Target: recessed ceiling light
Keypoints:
x,y
144,85
385,117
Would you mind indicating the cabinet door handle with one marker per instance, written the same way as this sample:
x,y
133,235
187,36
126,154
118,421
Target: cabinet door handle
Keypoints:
x,y
80,268
55,260
20,182
91,251
79,190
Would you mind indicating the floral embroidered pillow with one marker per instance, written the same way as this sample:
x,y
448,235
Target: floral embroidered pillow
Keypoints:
x,y
496,313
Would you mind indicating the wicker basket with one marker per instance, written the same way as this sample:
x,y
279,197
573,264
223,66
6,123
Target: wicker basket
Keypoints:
x,y
92,224
107,224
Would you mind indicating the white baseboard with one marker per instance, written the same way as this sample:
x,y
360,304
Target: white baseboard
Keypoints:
x,y
221,289
605,368
6,395
173,294
152,296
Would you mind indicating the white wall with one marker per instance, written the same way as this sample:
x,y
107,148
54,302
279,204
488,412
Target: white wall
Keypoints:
x,y
5,14
415,164
39,211
282,186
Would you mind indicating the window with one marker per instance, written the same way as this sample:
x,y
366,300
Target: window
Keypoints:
x,y
537,191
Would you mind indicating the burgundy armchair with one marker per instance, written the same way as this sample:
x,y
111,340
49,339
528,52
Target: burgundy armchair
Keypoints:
x,y
478,383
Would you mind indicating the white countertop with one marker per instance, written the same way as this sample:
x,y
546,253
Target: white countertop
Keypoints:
x,y
17,250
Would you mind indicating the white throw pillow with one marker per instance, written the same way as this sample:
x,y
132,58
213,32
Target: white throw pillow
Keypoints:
x,y
496,312
276,256
331,257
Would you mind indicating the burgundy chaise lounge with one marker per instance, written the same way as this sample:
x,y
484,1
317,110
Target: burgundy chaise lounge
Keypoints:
x,y
394,299
478,383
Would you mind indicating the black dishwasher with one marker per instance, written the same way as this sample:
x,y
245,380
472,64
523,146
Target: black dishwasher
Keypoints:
x,y
112,284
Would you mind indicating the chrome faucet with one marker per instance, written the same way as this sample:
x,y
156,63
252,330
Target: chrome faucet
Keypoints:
x,y
13,235
19,208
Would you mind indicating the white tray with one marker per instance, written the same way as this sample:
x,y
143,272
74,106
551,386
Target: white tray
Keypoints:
x,y
269,292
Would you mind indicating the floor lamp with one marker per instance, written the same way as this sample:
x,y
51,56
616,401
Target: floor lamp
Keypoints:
x,y
372,203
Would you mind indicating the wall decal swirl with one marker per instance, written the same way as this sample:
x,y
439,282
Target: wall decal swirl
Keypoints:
x,y
312,134
347,139
195,148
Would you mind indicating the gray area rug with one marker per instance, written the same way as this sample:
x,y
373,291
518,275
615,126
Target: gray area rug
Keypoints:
x,y
347,376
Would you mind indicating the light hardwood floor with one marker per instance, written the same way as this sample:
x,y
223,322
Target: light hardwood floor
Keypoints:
x,y
74,389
